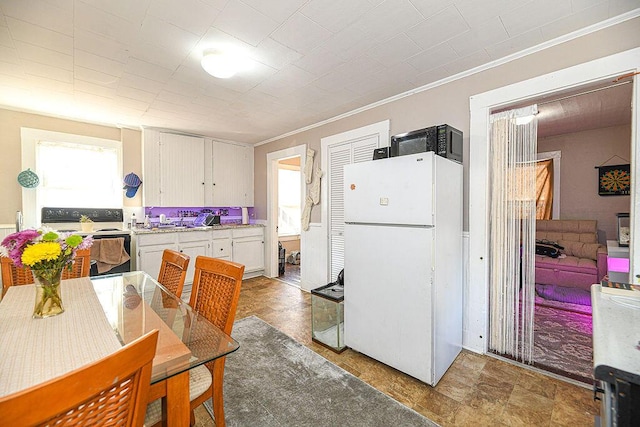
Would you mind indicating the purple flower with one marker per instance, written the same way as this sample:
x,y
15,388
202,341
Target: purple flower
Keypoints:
x,y
87,242
16,242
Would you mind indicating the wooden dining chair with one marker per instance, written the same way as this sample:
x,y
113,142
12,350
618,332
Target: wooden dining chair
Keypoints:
x,y
15,276
110,391
173,271
214,295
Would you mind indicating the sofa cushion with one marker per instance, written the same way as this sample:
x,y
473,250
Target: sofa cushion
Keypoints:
x,y
580,249
569,263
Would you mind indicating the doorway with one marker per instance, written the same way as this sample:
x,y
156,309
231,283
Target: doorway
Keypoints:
x,y
289,219
295,157
580,77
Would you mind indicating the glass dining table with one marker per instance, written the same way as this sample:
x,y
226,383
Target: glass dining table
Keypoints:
x,y
101,314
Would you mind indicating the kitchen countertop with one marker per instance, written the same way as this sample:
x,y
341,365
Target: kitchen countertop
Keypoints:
x,y
141,230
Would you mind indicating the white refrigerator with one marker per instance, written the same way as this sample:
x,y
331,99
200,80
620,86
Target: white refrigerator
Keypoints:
x,y
403,262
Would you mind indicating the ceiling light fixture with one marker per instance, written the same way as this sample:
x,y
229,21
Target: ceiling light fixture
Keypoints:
x,y
223,65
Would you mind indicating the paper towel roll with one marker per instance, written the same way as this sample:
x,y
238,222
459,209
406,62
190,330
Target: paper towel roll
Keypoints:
x,y
245,216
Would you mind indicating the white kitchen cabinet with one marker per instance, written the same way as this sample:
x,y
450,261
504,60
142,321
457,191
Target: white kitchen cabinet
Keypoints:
x,y
221,244
230,172
243,245
248,248
173,169
149,249
193,244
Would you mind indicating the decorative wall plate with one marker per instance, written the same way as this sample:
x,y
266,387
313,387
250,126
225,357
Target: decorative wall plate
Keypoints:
x,y
28,179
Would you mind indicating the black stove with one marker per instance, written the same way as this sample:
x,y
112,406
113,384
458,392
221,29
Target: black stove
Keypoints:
x,y
107,224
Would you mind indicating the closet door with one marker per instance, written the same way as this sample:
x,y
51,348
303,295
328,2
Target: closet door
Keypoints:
x,y
352,151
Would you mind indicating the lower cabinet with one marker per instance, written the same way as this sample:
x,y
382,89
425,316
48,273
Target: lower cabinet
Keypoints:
x,y
248,248
243,245
194,243
149,249
221,244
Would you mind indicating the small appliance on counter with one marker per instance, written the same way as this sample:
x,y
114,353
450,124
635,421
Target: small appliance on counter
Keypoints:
x,y
206,219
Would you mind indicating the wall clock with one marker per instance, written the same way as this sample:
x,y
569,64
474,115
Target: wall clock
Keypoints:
x,y
614,180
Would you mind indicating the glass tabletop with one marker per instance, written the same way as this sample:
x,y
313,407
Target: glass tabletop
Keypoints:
x,y
135,303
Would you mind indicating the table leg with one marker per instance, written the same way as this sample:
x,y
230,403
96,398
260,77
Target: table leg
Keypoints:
x,y
177,400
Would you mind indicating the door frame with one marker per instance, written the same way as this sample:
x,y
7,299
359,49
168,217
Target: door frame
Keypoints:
x,y
476,314
271,247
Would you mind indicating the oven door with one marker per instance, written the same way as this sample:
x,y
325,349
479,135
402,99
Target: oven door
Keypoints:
x,y
104,260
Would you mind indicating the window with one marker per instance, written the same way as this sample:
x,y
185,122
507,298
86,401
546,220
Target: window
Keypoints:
x,y
289,201
74,171
78,175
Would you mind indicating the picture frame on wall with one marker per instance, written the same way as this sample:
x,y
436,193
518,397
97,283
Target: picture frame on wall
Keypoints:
x,y
614,180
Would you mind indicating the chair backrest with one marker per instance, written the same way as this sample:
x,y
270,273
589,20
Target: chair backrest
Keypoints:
x,y
81,265
15,276
111,391
216,290
173,271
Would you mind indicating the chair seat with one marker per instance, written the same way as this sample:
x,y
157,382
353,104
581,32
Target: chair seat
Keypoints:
x,y
199,381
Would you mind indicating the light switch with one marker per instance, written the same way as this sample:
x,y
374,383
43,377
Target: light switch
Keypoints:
x,y
384,201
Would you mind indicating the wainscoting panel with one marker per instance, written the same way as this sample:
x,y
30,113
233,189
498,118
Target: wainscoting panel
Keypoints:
x,y
313,258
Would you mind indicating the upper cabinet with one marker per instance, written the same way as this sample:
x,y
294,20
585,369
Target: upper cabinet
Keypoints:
x,y
182,170
174,171
231,172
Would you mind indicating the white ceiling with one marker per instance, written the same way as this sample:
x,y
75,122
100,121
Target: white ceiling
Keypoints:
x,y
136,62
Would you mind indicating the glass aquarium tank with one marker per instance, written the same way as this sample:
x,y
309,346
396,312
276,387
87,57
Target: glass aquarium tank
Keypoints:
x,y
327,316
624,229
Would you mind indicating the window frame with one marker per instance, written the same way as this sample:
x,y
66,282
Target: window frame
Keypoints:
x,y
30,138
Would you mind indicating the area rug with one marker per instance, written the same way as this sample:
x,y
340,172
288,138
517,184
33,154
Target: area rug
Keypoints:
x,y
272,380
563,343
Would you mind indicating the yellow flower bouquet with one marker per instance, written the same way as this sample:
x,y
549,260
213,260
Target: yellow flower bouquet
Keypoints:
x,y
47,254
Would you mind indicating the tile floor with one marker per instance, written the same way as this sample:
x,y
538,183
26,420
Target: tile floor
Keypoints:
x,y
477,390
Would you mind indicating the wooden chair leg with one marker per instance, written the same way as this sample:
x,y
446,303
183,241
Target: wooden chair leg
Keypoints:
x,y
218,398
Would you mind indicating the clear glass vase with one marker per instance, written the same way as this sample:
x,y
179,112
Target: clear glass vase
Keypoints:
x,y
48,299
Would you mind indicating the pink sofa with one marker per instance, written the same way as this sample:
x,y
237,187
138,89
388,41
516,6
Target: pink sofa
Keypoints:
x,y
584,260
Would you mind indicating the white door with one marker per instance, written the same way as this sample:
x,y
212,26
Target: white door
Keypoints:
x,y
352,151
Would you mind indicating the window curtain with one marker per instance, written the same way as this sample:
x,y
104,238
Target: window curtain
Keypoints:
x,y
512,232
544,189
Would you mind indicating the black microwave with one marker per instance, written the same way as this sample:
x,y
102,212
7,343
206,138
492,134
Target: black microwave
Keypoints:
x,y
444,140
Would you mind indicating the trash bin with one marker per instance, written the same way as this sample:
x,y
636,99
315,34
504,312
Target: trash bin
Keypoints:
x,y
327,316
281,256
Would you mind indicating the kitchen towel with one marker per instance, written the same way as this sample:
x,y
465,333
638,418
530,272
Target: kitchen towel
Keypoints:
x,y
109,253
